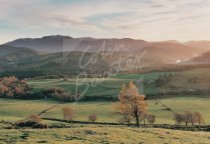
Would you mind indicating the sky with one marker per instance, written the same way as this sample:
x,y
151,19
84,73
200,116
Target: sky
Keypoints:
x,y
151,20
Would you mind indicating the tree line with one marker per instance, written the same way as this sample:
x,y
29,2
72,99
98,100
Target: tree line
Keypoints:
x,y
12,87
189,117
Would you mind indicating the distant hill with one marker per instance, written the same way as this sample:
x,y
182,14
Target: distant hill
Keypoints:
x,y
11,57
14,54
62,55
48,44
25,62
203,45
203,59
174,52
58,43
167,51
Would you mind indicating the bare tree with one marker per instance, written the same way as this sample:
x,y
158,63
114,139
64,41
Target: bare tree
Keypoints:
x,y
189,117
199,118
144,118
179,118
131,103
151,118
186,117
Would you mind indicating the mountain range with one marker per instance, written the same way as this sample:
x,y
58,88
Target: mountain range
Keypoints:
x,y
64,53
59,43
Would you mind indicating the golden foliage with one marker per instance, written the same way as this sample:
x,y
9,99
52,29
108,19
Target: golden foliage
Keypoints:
x,y
131,103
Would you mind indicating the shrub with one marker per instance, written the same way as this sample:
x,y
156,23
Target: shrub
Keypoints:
x,y
92,117
58,94
68,113
57,125
31,124
40,126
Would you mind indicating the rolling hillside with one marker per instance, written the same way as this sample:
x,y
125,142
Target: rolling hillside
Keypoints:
x,y
53,55
203,59
11,56
44,44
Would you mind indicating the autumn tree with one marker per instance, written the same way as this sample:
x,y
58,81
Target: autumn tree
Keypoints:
x,y
18,90
3,89
11,87
59,94
68,113
131,103
92,117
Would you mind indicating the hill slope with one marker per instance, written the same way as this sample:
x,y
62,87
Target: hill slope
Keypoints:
x,y
10,55
200,60
44,44
203,45
63,54
170,51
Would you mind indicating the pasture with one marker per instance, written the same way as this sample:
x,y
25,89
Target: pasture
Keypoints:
x,y
13,110
99,87
103,135
189,82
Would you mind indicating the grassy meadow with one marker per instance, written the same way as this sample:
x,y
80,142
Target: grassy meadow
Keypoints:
x,y
100,87
187,82
102,135
193,80
18,109
12,110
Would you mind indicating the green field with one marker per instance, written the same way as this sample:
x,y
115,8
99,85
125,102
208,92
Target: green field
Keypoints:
x,y
13,110
102,135
18,109
188,82
99,87
193,80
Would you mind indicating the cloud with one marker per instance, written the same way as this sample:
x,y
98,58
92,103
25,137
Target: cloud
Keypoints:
x,y
157,6
146,19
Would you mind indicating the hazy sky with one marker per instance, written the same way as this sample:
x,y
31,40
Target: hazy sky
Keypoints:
x,y
140,19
